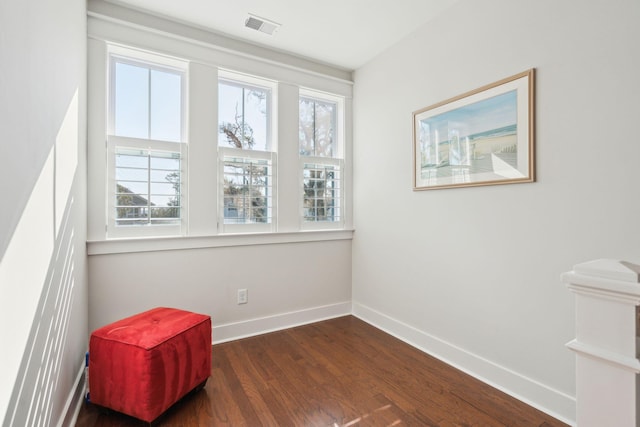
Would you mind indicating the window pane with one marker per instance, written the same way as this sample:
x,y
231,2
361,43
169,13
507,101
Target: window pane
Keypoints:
x,y
159,175
247,191
147,102
243,117
165,215
321,193
132,216
230,116
131,158
128,197
132,187
131,101
306,127
123,174
150,181
255,117
317,127
164,201
163,188
165,161
166,106
325,128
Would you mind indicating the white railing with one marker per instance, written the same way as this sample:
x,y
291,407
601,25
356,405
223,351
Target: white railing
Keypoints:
x,y
607,296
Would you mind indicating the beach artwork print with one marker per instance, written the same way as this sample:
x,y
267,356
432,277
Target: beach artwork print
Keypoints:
x,y
479,138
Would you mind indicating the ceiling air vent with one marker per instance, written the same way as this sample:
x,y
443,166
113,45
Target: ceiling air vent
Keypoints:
x,y
264,25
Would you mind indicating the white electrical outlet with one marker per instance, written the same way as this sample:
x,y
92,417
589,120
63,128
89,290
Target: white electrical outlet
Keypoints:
x,y
243,296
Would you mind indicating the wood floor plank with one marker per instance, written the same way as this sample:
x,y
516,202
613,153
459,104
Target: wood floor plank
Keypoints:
x,y
340,372
252,384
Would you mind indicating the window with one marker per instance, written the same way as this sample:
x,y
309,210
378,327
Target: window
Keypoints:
x,y
182,148
146,145
247,157
320,137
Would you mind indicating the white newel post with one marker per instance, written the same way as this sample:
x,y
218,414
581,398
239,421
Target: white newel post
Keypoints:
x,y
607,295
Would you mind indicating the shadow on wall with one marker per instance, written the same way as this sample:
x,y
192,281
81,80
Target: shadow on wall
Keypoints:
x,y
43,283
34,400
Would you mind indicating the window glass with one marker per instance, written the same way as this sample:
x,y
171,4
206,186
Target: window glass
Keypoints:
x,y
247,190
148,187
243,117
147,102
246,153
166,106
321,162
131,101
321,192
317,127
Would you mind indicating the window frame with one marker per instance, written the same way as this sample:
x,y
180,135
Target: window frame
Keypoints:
x,y
337,160
118,54
245,81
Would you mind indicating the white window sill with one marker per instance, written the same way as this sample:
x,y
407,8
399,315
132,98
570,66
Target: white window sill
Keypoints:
x,y
152,244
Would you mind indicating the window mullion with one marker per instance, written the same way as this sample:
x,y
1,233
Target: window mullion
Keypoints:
x,y
242,134
148,187
315,145
250,193
149,103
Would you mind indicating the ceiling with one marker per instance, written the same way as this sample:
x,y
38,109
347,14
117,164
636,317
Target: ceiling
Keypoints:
x,y
342,33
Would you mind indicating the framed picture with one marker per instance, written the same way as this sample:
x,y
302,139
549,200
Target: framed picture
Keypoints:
x,y
483,137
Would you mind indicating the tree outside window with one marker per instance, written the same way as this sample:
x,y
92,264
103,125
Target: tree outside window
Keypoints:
x,y
317,139
244,125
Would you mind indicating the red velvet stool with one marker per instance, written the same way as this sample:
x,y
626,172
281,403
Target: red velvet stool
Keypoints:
x,y
143,364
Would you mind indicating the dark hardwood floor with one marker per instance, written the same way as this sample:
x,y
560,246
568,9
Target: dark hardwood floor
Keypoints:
x,y
339,372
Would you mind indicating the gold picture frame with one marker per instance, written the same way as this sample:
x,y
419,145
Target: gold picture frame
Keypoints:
x,y
482,137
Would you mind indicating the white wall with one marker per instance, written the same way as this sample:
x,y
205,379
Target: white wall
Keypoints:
x,y
287,283
43,283
472,274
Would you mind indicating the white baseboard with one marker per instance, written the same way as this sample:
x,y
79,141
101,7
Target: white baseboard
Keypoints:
x,y
248,328
553,402
74,401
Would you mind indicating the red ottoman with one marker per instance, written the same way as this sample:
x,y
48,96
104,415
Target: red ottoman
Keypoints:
x,y
145,363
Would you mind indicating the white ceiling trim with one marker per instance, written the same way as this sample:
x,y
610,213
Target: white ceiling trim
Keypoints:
x,y
127,17
344,33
